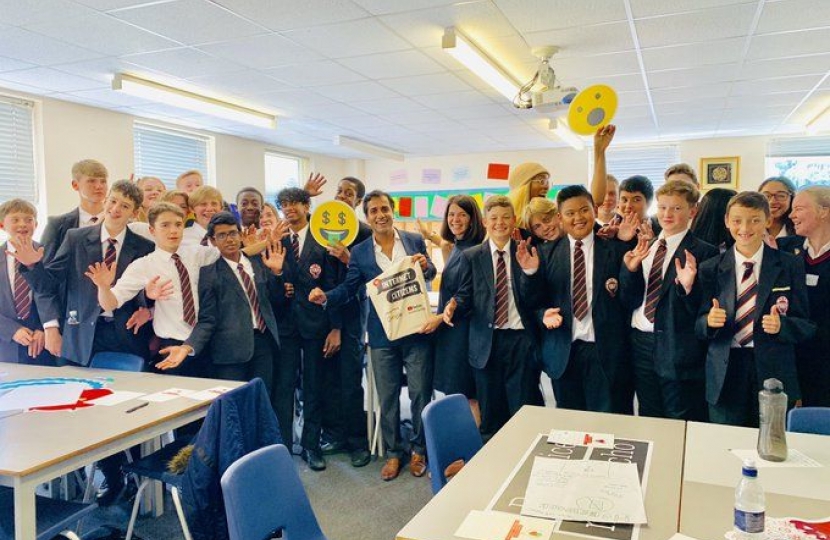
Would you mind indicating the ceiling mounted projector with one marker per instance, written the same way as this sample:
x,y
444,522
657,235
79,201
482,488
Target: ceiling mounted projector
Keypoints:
x,y
543,92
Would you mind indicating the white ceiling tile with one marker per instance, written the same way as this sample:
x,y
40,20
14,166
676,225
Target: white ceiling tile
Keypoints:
x,y
160,109
312,74
362,122
388,106
11,85
206,21
243,83
696,27
30,47
102,69
407,118
262,52
803,83
538,15
426,84
452,100
633,111
587,40
290,99
691,93
353,38
790,44
394,64
596,67
768,100
786,67
184,63
359,91
673,78
629,99
480,20
694,55
757,114
479,111
289,14
436,126
650,8
327,112
103,34
620,83
52,80
381,7
9,64
109,98
696,108
793,15
110,5
17,13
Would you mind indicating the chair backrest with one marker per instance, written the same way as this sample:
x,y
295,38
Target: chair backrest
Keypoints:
x,y
117,361
451,434
263,494
809,420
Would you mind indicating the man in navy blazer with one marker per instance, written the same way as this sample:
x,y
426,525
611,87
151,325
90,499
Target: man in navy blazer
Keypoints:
x,y
22,339
368,260
86,330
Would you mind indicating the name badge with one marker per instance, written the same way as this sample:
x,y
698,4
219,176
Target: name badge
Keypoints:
x,y
812,280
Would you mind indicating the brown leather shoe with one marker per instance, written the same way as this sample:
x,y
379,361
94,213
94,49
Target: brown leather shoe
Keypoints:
x,y
417,465
390,469
453,468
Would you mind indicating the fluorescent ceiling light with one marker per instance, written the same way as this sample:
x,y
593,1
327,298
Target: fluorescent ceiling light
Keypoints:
x,y
368,148
468,53
820,123
192,101
560,128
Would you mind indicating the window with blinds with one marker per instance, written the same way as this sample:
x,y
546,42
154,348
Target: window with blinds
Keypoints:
x,y
281,171
166,153
648,161
17,150
804,160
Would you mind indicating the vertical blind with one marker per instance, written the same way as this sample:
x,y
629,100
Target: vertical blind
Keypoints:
x,y
649,161
17,155
166,153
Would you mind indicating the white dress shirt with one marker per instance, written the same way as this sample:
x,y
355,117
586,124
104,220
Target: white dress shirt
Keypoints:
x,y
119,242
142,228
168,318
193,235
514,320
398,253
756,258
249,269
638,318
302,235
584,330
85,218
813,253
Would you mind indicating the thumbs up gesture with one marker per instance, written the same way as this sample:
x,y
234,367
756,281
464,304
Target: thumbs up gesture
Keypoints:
x,y
717,315
772,322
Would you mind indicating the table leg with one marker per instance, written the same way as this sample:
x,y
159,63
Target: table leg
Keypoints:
x,y
152,500
25,519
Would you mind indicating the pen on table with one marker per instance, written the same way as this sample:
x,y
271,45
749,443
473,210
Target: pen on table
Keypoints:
x,y
134,409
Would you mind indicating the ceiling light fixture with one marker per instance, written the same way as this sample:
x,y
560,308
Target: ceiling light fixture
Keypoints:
x,y
820,123
468,53
192,101
368,148
560,128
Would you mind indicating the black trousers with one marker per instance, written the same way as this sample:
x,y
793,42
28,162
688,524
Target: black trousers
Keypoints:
x,y
738,402
193,366
504,385
110,338
261,363
584,385
344,419
662,397
297,351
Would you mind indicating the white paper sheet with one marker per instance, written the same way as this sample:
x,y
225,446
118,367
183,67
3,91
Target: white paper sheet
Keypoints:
x,y
47,395
117,397
483,525
598,491
794,459
210,393
679,536
581,438
167,395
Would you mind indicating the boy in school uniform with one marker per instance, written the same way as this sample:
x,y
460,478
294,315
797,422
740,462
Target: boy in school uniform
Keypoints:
x,y
502,339
584,344
309,334
169,275
86,329
22,338
89,179
753,312
658,285
204,201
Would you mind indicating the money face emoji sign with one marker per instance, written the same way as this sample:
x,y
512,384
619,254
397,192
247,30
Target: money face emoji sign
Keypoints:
x,y
334,222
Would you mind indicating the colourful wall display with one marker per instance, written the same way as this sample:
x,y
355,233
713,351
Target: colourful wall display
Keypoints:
x,y
430,205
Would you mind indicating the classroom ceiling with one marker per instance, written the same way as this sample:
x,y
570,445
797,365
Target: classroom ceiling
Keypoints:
x,y
374,70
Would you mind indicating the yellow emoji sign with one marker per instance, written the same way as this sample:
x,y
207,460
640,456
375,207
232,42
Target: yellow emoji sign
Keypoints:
x,y
592,109
334,222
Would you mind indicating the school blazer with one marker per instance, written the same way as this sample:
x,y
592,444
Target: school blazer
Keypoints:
x,y
476,298
81,248
363,268
550,287
678,353
9,323
55,232
782,283
316,268
224,327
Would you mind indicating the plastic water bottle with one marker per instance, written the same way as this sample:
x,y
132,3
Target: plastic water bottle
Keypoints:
x,y
749,504
772,406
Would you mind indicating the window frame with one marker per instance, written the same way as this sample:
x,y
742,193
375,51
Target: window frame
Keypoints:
x,y
209,139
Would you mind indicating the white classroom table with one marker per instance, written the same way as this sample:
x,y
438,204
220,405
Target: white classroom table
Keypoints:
x,y
482,477
712,473
36,447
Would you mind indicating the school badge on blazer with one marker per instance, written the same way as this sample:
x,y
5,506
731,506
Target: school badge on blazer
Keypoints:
x,y
783,304
315,270
612,285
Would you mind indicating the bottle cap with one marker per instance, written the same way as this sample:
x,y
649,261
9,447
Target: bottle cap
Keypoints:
x,y
773,385
749,468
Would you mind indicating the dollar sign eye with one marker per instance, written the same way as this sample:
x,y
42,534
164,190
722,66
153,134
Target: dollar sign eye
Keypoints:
x,y
341,218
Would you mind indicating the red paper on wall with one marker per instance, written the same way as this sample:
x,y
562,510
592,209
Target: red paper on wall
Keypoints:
x,y
498,171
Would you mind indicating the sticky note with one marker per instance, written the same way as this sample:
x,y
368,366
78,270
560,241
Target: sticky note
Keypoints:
x,y
498,171
439,206
405,207
431,176
398,177
459,174
421,207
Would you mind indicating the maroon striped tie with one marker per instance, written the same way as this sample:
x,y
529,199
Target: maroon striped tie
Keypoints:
x,y
501,291
295,246
745,308
204,240
655,281
109,255
188,307
22,294
250,290
580,290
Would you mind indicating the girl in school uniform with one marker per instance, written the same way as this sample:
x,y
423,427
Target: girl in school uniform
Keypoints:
x,y
779,191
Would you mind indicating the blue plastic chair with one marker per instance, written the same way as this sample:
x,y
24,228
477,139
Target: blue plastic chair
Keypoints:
x,y
263,495
54,515
117,361
809,420
451,434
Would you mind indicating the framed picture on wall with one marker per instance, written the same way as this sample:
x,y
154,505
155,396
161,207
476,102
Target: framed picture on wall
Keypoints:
x,y
719,172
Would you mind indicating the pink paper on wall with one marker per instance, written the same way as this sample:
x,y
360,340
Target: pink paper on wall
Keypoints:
x,y
439,205
431,176
421,207
397,178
